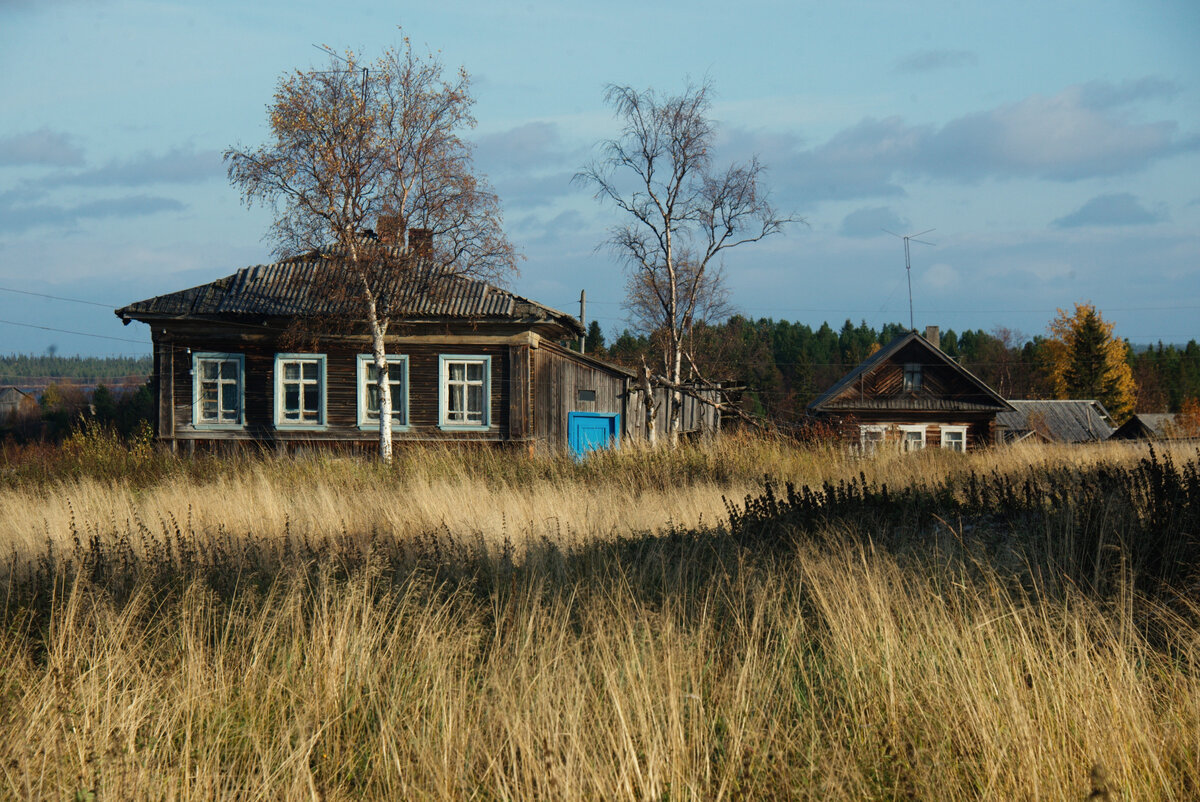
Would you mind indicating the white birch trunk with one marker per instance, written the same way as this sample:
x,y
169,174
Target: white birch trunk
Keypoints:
x,y
379,352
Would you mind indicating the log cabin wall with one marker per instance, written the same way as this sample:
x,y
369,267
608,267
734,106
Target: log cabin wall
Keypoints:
x,y
980,428
341,387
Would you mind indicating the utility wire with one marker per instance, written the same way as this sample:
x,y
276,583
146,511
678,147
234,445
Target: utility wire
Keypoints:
x,y
80,333
58,297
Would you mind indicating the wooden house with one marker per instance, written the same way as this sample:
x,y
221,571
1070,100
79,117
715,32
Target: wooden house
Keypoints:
x,y
910,395
14,400
267,356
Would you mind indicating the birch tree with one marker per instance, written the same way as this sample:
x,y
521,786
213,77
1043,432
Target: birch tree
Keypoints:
x,y
361,142
679,214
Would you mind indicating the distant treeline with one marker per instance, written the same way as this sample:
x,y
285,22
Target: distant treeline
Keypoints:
x,y
784,366
15,368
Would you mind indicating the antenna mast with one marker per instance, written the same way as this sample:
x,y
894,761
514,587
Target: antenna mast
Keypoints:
x,y
908,266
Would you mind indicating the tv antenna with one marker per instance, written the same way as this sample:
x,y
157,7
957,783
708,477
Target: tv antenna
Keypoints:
x,y
908,265
326,49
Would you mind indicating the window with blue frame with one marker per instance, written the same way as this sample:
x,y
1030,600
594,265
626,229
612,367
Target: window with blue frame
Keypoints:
x,y
368,390
464,392
300,390
218,396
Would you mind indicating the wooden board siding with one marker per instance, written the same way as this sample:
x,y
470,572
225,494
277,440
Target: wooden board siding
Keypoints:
x,y
520,397
557,379
341,392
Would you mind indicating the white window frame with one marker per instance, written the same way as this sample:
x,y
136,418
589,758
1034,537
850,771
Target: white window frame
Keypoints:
x,y
397,375
280,361
905,430
955,430
914,377
871,446
215,356
444,362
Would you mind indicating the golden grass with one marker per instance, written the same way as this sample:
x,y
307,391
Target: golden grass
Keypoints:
x,y
631,666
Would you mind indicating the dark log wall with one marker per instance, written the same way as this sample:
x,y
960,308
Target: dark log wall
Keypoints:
x,y
341,394
980,426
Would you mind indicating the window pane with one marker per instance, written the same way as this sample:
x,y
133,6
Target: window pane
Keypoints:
x,y
291,397
229,399
310,371
372,373
291,371
208,410
475,371
458,371
229,369
475,399
311,403
372,399
208,369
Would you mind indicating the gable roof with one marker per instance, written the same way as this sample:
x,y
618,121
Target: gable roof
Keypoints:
x,y
12,395
1072,421
985,398
1150,426
294,287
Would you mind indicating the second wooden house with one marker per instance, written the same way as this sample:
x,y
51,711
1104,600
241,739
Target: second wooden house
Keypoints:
x,y
910,395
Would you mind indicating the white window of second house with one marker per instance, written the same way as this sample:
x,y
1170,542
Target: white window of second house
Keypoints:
x,y
464,391
299,389
912,377
912,438
368,390
217,391
871,437
954,438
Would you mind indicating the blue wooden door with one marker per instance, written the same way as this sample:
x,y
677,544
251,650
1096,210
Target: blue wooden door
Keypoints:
x,y
587,431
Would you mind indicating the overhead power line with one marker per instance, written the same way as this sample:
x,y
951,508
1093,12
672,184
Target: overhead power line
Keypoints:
x,y
59,298
79,333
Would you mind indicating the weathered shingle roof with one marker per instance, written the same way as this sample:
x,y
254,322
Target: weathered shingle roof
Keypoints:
x,y
1074,421
987,399
307,285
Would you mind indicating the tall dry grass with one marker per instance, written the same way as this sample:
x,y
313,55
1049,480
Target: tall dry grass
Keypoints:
x,y
292,637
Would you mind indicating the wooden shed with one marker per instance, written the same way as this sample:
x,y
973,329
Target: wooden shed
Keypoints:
x,y
1054,421
910,395
236,360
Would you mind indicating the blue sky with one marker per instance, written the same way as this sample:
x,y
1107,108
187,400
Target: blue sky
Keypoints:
x,y
1054,147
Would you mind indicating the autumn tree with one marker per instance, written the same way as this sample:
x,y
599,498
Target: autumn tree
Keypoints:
x,y
679,213
1085,360
357,143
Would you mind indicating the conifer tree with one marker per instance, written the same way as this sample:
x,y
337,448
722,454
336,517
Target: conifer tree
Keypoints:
x,y
1085,360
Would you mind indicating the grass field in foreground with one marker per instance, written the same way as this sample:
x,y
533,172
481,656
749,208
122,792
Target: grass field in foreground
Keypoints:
x,y
485,626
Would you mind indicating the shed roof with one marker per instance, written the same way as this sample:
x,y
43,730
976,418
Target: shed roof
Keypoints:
x,y
301,286
1070,421
986,399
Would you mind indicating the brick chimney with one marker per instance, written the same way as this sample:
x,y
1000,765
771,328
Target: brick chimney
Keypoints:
x,y
390,229
420,240
933,336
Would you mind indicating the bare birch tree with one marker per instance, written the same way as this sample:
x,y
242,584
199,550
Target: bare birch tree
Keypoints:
x,y
358,143
680,214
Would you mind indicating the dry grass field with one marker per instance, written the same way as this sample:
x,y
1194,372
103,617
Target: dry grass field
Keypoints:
x,y
1014,624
